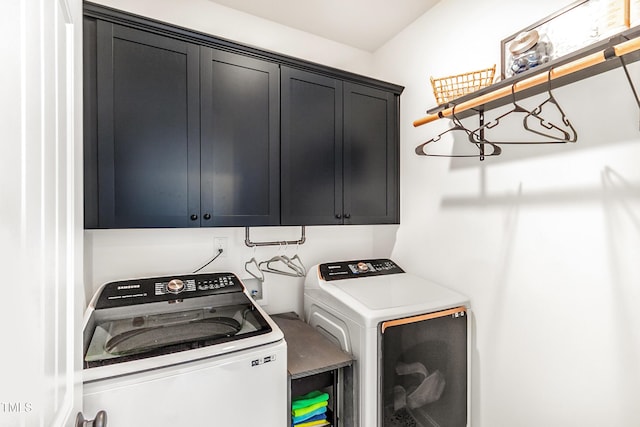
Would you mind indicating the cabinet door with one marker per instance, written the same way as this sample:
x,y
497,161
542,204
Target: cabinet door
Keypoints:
x,y
147,129
370,156
240,116
311,149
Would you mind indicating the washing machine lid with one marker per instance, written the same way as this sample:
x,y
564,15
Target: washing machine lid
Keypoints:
x,y
392,294
139,335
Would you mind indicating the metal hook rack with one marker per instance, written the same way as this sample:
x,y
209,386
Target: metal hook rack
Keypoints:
x,y
249,243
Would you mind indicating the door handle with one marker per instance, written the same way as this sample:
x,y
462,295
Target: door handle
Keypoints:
x,y
455,312
99,421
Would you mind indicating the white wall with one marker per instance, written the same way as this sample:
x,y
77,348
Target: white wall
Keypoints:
x,y
120,254
544,240
211,18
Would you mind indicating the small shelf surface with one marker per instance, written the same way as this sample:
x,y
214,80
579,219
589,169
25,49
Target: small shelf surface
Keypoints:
x,y
308,352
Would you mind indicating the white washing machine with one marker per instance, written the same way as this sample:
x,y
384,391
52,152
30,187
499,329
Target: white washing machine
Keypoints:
x,y
409,337
191,350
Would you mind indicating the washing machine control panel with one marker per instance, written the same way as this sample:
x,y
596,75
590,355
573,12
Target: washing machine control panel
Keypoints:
x,y
359,268
169,288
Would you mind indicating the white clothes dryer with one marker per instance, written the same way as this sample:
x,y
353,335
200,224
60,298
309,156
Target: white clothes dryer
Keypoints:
x,y
409,338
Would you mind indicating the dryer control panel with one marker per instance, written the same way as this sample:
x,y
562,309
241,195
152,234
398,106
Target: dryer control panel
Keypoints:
x,y
359,268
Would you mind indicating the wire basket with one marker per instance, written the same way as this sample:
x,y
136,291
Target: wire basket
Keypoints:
x,y
448,88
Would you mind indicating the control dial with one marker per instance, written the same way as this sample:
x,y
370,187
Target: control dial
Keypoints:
x,y
175,286
362,266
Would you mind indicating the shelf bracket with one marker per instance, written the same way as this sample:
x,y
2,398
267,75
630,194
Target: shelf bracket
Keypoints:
x,y
481,123
249,243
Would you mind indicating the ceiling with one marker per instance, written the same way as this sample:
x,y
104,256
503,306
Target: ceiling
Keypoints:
x,y
363,24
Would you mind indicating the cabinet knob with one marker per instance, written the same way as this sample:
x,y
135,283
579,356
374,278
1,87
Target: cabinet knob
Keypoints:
x,y
338,216
207,216
347,216
194,217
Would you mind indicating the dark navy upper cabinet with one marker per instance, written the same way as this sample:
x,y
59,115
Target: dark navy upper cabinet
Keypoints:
x,y
311,148
339,151
186,135
370,153
147,132
240,155
183,129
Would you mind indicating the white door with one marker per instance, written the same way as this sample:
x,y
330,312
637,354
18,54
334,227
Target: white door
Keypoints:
x,y
41,299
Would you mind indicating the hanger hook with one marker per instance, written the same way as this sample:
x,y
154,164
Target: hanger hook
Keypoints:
x,y
453,115
456,120
513,94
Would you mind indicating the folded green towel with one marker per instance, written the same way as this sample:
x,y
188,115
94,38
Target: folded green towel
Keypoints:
x,y
307,409
309,399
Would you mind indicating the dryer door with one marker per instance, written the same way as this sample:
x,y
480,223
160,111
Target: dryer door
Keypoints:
x,y
424,364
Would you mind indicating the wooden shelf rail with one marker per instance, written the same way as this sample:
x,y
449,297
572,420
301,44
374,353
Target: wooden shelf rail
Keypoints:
x,y
538,79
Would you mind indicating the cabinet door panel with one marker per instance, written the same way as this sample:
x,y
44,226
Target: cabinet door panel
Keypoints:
x,y
370,156
148,130
311,148
240,119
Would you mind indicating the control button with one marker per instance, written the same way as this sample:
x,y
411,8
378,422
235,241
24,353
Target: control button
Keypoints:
x,y
175,286
362,266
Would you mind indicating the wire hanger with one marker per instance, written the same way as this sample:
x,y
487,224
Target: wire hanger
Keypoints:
x,y
287,268
568,137
282,264
254,262
475,135
633,87
459,126
296,261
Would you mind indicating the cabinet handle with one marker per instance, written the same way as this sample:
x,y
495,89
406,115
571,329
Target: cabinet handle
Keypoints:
x,y
207,216
338,216
194,217
347,216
